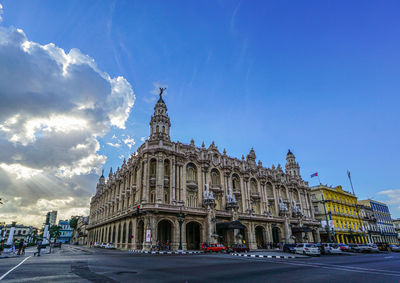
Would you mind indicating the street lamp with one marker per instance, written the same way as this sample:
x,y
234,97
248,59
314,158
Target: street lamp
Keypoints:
x,y
181,219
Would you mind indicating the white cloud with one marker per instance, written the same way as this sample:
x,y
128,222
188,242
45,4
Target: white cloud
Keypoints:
x,y
121,156
143,139
393,198
50,123
1,12
130,142
114,144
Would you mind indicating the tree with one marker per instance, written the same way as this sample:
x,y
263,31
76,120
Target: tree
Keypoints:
x,y
73,222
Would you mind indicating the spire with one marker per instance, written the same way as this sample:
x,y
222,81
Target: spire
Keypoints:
x,y
160,123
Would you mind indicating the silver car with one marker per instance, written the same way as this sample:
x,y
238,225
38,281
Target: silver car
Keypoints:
x,y
307,249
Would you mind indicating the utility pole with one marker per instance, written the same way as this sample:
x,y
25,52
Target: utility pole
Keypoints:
x,y
357,207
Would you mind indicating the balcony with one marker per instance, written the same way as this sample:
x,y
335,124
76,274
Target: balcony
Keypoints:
x,y
192,185
166,181
152,180
216,188
255,196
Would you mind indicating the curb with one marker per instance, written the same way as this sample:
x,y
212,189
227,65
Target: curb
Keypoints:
x,y
164,253
266,256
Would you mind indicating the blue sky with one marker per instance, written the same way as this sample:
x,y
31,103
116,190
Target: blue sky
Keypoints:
x,y
318,77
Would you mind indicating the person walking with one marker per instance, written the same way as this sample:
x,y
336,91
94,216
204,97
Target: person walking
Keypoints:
x,y
39,247
24,247
167,246
20,246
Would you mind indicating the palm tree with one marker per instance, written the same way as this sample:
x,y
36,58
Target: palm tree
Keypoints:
x,y
54,233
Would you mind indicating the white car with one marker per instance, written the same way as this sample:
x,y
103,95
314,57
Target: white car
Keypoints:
x,y
373,248
109,246
332,248
307,249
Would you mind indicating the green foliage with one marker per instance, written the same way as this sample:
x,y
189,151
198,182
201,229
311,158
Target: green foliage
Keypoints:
x,y
73,222
54,231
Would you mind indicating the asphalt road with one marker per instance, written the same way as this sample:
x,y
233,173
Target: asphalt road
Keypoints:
x,y
81,264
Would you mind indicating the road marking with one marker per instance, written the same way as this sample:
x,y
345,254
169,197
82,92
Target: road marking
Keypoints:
x,y
388,257
5,274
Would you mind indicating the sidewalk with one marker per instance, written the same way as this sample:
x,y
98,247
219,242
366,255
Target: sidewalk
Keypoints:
x,y
166,252
269,254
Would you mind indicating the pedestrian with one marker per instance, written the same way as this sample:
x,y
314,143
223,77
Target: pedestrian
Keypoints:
x,y
20,246
39,247
23,248
167,246
2,246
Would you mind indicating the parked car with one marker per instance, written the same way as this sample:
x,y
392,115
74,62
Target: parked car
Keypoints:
x,y
394,248
355,248
109,246
239,248
331,248
374,248
289,248
344,247
365,248
307,249
213,247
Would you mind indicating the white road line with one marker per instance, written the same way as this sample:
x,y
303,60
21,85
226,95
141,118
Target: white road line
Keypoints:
x,y
5,274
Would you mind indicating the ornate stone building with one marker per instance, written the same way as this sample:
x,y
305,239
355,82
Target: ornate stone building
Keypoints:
x,y
217,198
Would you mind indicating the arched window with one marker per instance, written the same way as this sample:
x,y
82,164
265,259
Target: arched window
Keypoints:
x,y
235,182
153,196
157,129
163,129
253,187
270,191
215,177
191,172
166,168
153,167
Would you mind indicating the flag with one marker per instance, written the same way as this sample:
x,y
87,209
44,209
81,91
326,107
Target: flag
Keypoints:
x,y
314,175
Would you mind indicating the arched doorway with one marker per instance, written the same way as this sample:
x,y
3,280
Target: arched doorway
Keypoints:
x,y
193,235
260,237
164,230
140,235
276,235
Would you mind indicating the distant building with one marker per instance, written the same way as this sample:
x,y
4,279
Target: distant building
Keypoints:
x,y
80,233
396,223
51,218
337,209
21,232
369,223
65,231
383,221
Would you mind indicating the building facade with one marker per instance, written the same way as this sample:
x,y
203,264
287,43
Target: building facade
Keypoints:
x,y
384,221
369,223
80,232
338,212
66,232
167,189
396,223
27,233
51,218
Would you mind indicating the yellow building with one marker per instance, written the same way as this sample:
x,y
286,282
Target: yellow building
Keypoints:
x,y
333,203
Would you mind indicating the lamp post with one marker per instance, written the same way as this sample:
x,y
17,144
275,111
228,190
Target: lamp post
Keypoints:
x,y
181,219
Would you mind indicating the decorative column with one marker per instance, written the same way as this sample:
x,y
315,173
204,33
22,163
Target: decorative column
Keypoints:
x,y
160,179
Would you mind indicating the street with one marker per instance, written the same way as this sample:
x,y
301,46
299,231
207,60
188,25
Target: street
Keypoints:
x,y
81,264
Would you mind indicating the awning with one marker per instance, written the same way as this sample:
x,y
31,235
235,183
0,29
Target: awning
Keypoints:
x,y
303,229
230,225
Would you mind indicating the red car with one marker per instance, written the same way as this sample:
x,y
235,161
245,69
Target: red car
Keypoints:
x,y
213,248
